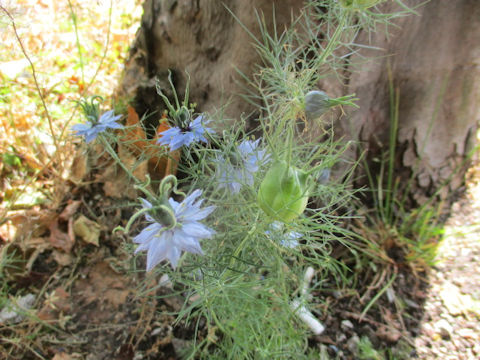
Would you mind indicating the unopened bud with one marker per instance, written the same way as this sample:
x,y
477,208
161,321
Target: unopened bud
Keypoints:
x,y
316,104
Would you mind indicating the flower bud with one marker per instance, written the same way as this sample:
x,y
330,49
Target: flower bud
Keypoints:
x,y
283,192
316,104
163,214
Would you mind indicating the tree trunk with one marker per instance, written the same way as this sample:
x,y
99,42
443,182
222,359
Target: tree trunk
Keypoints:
x,y
433,61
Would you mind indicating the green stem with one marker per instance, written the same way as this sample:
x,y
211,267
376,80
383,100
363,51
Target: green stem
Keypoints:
x,y
126,229
114,155
240,246
77,37
331,43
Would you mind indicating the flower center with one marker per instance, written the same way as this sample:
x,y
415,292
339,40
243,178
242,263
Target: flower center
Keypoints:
x,y
185,129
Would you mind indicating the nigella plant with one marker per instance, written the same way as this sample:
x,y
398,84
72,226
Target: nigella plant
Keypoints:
x,y
95,123
184,131
185,135
239,167
174,227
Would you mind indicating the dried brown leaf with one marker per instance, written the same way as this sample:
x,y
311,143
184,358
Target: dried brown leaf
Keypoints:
x,y
103,284
70,209
88,230
79,168
60,239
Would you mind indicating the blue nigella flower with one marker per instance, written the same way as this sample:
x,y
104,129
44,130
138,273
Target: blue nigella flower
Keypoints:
x,y
288,239
176,137
162,242
241,167
90,129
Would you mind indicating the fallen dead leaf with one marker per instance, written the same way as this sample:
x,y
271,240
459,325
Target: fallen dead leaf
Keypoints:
x,y
160,162
117,183
56,303
32,223
88,230
61,258
70,210
60,239
79,168
103,284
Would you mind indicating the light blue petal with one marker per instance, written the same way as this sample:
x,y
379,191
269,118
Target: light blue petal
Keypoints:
x,y
178,141
166,136
294,235
174,204
276,226
187,138
90,136
198,230
189,200
289,243
248,178
197,122
108,117
247,147
158,251
170,137
192,214
145,203
173,254
82,127
186,204
234,187
114,125
142,247
147,234
187,243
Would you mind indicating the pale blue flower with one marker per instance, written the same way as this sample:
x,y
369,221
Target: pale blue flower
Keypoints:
x,y
176,137
288,239
241,167
163,243
90,129
324,176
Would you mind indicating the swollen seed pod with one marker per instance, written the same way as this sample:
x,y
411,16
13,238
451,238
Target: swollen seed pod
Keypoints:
x,y
283,193
317,103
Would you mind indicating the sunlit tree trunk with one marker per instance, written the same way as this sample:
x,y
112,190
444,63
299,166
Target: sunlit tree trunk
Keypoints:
x,y
432,58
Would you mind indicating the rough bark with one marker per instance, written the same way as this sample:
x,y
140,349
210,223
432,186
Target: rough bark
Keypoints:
x,y
434,61
433,57
201,38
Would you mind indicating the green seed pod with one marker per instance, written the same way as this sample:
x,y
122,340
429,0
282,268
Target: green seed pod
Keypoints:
x,y
283,192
